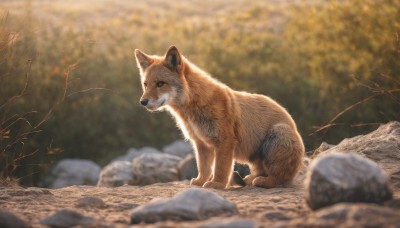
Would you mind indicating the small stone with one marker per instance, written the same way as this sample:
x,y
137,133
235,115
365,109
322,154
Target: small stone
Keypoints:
x,y
188,168
191,204
66,218
276,216
230,223
125,206
90,202
37,191
10,220
340,177
116,174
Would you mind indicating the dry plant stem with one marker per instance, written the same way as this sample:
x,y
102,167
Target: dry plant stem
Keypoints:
x,y
377,89
10,101
13,154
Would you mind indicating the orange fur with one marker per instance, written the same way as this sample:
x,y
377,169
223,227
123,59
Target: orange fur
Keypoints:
x,y
224,125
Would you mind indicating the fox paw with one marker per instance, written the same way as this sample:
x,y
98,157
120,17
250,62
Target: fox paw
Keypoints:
x,y
249,180
213,184
264,182
196,181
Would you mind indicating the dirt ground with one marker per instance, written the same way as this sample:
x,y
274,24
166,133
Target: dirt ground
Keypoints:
x,y
267,207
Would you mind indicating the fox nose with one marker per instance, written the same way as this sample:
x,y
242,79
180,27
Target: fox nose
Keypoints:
x,y
144,102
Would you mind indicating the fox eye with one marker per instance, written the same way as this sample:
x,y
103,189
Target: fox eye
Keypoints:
x,y
160,83
145,85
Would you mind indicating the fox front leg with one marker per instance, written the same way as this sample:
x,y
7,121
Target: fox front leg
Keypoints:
x,y
223,166
204,160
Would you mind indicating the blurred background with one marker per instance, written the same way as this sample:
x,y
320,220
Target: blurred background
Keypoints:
x,y
69,86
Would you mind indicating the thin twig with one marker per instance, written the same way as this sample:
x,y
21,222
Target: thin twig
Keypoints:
x,y
22,92
330,124
88,90
18,119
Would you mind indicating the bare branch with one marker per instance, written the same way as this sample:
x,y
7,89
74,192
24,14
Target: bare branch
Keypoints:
x,y
22,92
90,89
377,91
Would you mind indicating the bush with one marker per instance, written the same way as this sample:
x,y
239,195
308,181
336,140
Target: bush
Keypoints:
x,y
304,55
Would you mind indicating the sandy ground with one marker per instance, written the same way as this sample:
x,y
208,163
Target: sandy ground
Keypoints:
x,y
34,204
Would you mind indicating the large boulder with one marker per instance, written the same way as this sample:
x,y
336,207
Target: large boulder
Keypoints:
x,y
381,146
153,168
116,174
179,148
340,177
191,204
69,172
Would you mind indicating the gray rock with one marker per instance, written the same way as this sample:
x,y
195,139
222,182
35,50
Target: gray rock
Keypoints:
x,y
323,147
126,157
191,204
154,168
134,153
188,168
66,218
116,174
301,175
364,215
242,169
69,172
230,223
125,206
37,191
10,220
90,202
276,216
381,146
341,177
347,215
179,148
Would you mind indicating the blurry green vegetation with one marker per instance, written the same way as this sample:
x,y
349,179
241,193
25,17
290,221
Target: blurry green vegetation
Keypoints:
x,y
306,55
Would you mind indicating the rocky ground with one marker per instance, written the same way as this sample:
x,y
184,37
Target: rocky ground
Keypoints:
x,y
278,207
125,206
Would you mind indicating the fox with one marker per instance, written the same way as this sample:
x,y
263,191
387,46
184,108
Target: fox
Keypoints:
x,y
223,125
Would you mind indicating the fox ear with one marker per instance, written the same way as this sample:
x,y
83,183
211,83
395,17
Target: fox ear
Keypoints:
x,y
142,60
173,59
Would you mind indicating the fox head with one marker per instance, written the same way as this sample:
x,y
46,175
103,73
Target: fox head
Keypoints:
x,y
162,78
